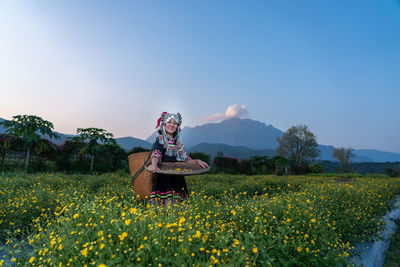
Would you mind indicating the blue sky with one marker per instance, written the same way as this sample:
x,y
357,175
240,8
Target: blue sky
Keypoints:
x,y
331,65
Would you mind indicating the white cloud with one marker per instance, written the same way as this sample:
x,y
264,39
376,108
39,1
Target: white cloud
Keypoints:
x,y
234,111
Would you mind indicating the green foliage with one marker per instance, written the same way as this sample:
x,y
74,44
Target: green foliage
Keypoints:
x,y
29,128
200,155
227,165
316,168
260,165
393,172
70,157
92,137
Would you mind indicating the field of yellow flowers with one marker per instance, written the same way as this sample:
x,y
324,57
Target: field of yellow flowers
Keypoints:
x,y
235,220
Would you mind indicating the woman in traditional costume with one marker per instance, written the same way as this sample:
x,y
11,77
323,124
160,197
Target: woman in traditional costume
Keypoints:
x,y
168,148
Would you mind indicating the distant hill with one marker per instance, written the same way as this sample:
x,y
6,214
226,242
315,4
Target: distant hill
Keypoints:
x,y
234,132
128,143
231,151
241,138
378,156
326,154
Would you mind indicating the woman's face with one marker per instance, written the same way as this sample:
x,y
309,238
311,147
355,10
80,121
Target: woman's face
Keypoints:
x,y
171,127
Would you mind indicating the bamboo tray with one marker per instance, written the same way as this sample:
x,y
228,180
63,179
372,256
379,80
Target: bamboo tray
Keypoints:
x,y
181,168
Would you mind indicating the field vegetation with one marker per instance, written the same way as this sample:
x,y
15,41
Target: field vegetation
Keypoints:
x,y
232,220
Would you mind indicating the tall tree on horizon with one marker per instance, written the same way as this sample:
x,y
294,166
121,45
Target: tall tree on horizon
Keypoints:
x,y
298,144
343,155
30,129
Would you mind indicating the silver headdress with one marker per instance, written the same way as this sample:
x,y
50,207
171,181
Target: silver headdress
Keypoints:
x,y
174,147
165,117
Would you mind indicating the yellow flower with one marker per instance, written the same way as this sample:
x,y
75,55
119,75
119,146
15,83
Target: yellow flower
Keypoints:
x,y
127,222
132,210
181,220
102,265
233,212
255,250
299,249
76,215
85,252
31,260
123,235
307,250
313,220
123,214
197,235
100,233
102,246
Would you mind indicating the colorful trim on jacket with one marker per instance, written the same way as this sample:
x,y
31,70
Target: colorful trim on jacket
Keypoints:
x,y
172,147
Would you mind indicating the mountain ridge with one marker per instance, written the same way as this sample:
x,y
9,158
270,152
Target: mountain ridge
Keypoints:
x,y
240,138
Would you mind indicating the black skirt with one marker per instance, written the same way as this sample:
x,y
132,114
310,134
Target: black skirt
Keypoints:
x,y
167,186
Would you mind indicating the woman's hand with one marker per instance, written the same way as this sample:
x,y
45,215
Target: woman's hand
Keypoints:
x,y
201,163
152,168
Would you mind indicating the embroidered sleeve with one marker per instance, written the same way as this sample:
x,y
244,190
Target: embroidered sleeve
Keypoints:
x,y
158,148
182,153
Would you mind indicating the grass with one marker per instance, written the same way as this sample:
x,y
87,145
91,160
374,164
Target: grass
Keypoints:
x,y
392,258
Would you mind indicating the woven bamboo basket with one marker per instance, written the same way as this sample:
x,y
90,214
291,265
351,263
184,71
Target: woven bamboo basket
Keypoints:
x,y
144,182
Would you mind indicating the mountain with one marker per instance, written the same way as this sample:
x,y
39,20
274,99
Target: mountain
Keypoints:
x,y
378,156
245,134
128,143
240,138
231,151
245,152
234,132
326,154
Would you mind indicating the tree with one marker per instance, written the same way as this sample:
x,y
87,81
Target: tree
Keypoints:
x,y
343,155
281,165
200,155
298,144
259,164
92,137
30,129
